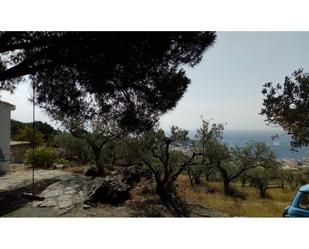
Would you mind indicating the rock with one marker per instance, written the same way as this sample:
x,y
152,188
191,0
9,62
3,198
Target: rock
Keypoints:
x,y
48,203
14,184
115,187
65,204
91,170
66,193
52,193
63,190
133,174
69,192
86,206
58,166
149,209
112,189
197,210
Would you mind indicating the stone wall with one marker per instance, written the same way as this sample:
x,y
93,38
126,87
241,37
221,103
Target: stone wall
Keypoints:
x,y
18,151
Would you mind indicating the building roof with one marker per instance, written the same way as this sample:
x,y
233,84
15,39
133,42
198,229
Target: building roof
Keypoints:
x,y
304,188
7,104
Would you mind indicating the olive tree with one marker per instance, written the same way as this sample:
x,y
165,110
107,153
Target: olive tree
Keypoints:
x,y
287,105
167,164
215,154
265,176
97,130
74,147
255,155
205,141
231,163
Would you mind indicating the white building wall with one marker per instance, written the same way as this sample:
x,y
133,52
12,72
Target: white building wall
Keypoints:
x,y
5,132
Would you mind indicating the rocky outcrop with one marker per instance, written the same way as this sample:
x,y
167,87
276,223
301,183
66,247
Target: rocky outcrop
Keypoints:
x,y
133,174
64,191
115,187
13,185
65,194
91,170
80,190
110,189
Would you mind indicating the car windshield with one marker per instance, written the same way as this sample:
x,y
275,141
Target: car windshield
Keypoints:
x,y
304,202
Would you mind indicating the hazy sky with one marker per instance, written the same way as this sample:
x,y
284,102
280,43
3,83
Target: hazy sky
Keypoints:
x,y
226,86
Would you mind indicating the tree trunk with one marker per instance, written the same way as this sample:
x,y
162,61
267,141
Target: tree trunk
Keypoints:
x,y
197,179
207,176
262,192
170,199
282,185
227,188
228,191
97,158
194,178
190,177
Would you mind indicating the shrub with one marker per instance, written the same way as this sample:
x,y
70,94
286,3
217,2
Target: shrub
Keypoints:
x,y
63,161
74,147
44,157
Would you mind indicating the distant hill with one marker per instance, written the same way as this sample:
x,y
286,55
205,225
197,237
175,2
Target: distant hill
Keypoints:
x,y
47,130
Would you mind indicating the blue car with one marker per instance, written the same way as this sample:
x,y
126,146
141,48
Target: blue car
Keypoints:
x,y
300,204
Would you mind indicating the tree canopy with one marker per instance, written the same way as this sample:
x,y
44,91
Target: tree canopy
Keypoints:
x,y
24,132
287,105
98,131
133,75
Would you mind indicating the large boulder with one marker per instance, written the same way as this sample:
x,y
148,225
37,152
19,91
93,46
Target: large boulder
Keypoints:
x,y
111,189
115,187
133,174
91,170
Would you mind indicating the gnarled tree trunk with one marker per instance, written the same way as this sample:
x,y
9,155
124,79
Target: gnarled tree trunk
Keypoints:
x,y
226,181
170,199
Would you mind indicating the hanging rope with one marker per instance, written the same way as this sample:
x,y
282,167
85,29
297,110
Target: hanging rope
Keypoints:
x,y
33,134
31,196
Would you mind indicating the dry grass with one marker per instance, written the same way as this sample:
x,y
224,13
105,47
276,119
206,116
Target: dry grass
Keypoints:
x,y
19,167
252,206
75,169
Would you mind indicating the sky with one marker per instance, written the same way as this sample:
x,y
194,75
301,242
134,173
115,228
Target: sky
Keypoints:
x,y
226,86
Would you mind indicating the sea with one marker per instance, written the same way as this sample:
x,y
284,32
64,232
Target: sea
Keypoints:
x,y
278,142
